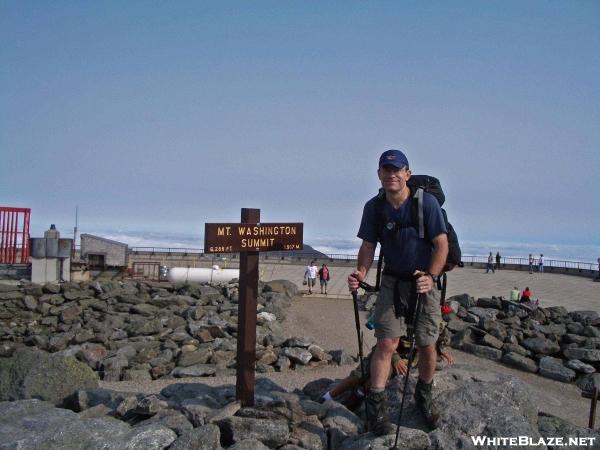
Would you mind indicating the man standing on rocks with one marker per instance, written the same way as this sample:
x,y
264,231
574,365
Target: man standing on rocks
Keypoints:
x,y
405,255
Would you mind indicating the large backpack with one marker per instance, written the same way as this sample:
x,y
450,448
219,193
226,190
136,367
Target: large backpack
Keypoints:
x,y
419,184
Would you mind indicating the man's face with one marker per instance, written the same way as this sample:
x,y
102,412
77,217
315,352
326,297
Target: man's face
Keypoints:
x,y
393,179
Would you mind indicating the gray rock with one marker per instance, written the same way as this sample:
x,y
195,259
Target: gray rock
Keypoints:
x,y
36,374
462,337
272,433
465,300
197,370
491,341
588,382
340,357
227,411
456,325
206,437
37,425
591,331
149,437
541,346
149,406
174,420
584,317
483,351
489,303
555,312
408,438
309,434
497,408
574,338
554,368
282,286
111,368
484,313
575,328
579,366
550,426
318,354
297,355
302,342
139,375
557,329
583,354
520,362
339,417
515,348
255,444
200,356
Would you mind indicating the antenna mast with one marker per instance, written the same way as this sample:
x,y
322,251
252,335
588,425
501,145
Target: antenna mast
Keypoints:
x,y
75,230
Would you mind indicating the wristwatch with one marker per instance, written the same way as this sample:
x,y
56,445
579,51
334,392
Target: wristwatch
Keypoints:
x,y
435,278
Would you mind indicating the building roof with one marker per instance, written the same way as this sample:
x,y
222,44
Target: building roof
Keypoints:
x,y
108,241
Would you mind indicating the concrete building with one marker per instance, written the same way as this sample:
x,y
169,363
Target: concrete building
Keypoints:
x,y
99,252
50,257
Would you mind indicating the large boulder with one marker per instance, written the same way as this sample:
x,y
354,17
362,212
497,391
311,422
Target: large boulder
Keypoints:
x,y
554,368
35,424
541,345
31,373
520,362
478,403
281,286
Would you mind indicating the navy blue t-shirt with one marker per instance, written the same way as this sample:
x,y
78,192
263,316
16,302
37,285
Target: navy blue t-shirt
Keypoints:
x,y
404,251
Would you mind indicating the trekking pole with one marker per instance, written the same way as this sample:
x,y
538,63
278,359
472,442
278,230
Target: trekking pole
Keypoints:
x,y
411,358
360,351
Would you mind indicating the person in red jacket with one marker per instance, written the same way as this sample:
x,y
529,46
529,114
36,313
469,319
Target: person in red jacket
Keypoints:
x,y
526,295
324,277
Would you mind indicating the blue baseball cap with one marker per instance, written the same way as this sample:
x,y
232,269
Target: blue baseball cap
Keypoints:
x,y
393,158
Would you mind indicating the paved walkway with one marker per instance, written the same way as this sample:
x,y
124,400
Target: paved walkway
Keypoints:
x,y
572,292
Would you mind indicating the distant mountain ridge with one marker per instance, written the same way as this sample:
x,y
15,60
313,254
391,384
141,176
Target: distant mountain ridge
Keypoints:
x,y
306,252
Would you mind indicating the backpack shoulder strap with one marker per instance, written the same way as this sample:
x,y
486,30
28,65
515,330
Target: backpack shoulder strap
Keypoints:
x,y
418,216
380,214
379,224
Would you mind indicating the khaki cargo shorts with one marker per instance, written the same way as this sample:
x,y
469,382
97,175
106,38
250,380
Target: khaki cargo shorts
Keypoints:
x,y
387,325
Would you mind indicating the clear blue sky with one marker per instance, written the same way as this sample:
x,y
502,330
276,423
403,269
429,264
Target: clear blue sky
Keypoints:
x,y
165,115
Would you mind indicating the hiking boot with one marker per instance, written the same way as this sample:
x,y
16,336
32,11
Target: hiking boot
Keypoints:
x,y
424,401
379,422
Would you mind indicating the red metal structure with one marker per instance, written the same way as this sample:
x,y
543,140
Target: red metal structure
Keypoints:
x,y
13,241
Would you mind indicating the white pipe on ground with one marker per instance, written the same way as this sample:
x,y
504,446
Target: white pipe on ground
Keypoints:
x,y
201,275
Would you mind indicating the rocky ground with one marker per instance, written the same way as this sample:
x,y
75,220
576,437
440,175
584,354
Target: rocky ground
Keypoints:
x,y
55,400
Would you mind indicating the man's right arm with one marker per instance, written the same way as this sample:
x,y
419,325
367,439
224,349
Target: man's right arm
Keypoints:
x,y
366,255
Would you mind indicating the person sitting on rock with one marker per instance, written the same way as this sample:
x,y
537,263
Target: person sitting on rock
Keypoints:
x,y
514,294
526,295
355,384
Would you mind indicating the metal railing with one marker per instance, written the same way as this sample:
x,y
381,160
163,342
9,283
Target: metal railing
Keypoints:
x,y
341,257
509,261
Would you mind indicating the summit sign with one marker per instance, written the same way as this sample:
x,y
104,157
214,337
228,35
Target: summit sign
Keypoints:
x,y
252,237
248,238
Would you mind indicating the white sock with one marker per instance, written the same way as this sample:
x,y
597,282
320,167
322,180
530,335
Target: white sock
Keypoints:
x,y
327,396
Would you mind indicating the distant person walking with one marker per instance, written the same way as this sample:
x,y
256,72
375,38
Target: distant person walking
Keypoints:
x,y
526,295
514,294
324,277
310,275
497,260
530,263
490,264
598,277
541,263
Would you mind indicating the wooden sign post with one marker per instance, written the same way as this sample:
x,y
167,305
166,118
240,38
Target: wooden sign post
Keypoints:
x,y
249,238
